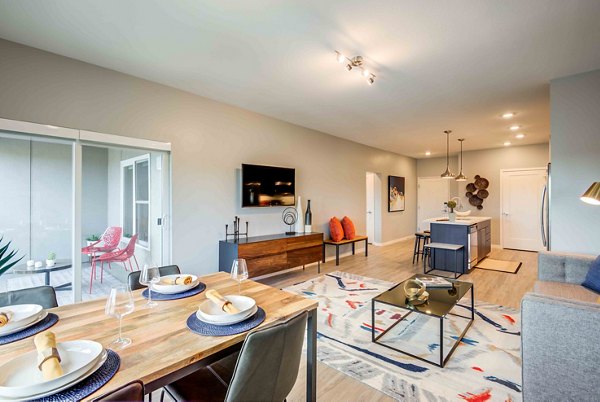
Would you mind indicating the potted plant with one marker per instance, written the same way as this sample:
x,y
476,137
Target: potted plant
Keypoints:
x,y
451,215
92,239
51,260
6,256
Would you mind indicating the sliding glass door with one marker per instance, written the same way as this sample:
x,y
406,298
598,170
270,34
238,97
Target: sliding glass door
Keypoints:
x,y
52,188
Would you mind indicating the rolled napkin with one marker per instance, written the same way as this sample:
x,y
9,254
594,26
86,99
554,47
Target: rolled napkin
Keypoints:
x,y
178,280
48,357
5,317
222,302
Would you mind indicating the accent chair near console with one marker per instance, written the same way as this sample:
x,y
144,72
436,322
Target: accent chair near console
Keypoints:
x,y
560,332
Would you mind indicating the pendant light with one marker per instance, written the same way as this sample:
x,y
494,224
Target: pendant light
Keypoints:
x,y
461,176
447,174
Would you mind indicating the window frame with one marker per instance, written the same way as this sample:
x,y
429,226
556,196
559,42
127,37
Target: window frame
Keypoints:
x,y
133,162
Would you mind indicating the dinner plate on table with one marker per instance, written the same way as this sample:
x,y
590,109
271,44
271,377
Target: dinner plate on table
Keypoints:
x,y
229,320
21,316
20,378
173,289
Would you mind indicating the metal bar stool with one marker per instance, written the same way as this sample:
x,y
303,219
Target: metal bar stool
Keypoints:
x,y
419,249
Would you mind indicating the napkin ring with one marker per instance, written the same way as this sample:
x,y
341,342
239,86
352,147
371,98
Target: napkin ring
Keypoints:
x,y
46,354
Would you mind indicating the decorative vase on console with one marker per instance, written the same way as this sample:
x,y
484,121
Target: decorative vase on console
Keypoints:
x,y
308,219
300,221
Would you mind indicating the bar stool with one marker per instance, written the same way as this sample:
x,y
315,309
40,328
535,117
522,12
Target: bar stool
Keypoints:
x,y
419,249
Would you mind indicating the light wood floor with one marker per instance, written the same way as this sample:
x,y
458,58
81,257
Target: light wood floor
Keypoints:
x,y
394,263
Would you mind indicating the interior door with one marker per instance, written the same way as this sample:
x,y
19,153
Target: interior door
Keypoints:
x,y
371,206
432,192
521,207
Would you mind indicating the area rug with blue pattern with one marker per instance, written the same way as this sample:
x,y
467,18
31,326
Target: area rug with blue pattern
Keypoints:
x,y
486,365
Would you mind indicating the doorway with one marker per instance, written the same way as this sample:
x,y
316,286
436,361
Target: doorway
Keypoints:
x,y
432,193
373,193
521,207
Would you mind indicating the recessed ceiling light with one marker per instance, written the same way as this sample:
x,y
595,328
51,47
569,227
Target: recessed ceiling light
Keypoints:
x,y
427,153
514,128
508,115
507,143
520,136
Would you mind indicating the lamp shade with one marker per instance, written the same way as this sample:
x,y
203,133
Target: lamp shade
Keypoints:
x,y
592,195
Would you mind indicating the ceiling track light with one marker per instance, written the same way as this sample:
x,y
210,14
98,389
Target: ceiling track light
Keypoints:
x,y
355,62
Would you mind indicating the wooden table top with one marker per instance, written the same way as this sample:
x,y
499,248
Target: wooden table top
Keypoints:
x,y
161,342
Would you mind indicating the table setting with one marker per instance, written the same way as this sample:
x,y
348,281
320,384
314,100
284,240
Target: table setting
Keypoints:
x,y
57,371
168,287
20,321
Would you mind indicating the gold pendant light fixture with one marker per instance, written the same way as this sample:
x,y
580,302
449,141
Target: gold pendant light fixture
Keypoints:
x,y
592,195
461,176
447,174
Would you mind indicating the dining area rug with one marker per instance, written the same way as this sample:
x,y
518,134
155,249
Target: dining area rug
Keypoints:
x,y
486,365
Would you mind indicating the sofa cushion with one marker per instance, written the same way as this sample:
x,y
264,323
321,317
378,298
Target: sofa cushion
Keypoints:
x,y
349,230
566,291
335,229
592,279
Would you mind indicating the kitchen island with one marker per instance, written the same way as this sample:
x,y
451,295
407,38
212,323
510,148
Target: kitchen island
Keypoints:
x,y
472,232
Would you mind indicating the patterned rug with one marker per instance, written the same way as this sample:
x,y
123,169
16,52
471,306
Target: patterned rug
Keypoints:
x,y
486,366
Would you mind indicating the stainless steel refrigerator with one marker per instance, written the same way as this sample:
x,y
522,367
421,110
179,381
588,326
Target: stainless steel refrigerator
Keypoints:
x,y
545,210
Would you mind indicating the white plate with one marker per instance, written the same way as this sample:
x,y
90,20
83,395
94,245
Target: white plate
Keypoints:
x,y
97,364
22,314
249,314
20,377
212,312
43,314
172,289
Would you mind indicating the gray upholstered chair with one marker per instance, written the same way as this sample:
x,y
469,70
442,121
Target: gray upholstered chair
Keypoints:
x,y
266,369
45,296
132,392
134,278
560,325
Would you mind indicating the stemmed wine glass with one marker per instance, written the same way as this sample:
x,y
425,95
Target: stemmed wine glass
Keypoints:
x,y
118,305
149,276
239,272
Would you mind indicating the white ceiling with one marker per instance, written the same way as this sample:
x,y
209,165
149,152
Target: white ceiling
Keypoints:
x,y
440,64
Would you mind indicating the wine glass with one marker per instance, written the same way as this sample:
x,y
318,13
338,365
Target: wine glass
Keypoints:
x,y
118,305
149,276
239,272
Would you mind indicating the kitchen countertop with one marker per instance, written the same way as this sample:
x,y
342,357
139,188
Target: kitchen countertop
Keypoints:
x,y
466,220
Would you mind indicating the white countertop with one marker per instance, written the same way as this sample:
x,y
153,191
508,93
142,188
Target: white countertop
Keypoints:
x,y
465,220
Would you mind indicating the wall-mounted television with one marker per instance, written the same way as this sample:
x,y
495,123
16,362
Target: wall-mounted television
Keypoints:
x,y
268,186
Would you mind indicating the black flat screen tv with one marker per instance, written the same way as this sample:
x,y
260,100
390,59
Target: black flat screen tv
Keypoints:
x,y
268,186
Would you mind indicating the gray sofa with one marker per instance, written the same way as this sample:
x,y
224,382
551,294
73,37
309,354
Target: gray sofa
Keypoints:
x,y
560,343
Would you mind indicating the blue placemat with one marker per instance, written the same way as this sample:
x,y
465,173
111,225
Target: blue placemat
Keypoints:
x,y
203,328
91,384
43,325
161,296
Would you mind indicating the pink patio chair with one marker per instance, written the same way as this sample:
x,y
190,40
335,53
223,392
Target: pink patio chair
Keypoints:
x,y
119,255
110,241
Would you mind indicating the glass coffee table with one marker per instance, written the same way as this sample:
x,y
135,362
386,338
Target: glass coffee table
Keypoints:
x,y
439,305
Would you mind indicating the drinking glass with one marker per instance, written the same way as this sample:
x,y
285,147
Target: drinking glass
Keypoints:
x,y
149,276
118,305
239,272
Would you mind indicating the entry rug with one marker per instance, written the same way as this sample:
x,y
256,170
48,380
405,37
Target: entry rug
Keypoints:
x,y
511,267
486,365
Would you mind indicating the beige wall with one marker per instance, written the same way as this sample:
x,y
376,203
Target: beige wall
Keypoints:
x,y
575,143
209,140
488,163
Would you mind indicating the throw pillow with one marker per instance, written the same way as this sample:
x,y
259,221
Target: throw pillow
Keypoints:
x,y
335,229
349,229
592,279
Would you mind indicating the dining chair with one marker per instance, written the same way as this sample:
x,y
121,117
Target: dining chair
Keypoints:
x,y
132,392
266,369
45,296
134,277
119,255
108,242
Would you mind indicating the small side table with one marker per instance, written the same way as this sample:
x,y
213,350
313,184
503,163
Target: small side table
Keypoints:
x,y
58,266
456,248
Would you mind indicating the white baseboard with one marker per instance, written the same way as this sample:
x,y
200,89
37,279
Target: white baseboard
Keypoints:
x,y
387,243
496,246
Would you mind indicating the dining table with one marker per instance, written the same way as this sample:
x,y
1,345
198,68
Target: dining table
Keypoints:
x,y
163,349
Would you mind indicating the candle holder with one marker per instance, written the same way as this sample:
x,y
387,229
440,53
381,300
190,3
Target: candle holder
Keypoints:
x,y
236,230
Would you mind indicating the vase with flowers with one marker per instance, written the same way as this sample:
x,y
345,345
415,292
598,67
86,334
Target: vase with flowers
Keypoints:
x,y
451,215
